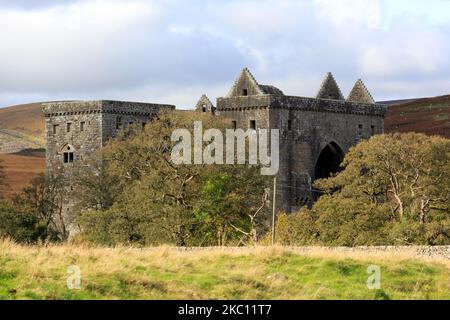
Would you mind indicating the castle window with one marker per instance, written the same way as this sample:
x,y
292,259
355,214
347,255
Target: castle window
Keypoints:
x,y
289,124
234,124
372,130
69,125
67,152
68,157
253,124
82,125
204,108
245,92
118,122
360,130
55,128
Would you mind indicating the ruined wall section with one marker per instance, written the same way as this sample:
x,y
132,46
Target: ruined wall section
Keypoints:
x,y
119,115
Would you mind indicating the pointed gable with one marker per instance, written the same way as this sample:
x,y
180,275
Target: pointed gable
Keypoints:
x,y
204,104
329,89
360,93
245,85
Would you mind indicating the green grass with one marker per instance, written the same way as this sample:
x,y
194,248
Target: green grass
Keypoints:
x,y
262,273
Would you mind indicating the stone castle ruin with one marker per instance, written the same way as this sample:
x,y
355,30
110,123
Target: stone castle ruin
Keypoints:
x,y
315,133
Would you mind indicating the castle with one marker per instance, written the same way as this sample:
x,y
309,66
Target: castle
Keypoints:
x,y
315,133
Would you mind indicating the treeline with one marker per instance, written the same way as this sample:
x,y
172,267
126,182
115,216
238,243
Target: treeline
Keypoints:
x,y
133,194
393,189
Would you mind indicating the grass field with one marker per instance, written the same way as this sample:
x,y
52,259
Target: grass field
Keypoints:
x,y
253,273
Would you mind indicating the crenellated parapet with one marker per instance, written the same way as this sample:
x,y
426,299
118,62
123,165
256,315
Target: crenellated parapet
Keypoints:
x,y
70,108
301,104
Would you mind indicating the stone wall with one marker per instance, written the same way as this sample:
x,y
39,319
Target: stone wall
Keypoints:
x,y
307,126
92,124
400,252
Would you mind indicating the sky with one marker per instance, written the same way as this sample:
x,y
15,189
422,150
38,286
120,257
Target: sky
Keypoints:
x,y
173,51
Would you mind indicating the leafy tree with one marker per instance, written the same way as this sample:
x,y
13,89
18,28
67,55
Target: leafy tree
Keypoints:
x,y
234,200
35,214
2,180
394,189
156,201
43,199
19,225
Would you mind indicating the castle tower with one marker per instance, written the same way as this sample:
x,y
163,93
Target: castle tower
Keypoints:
x,y
77,130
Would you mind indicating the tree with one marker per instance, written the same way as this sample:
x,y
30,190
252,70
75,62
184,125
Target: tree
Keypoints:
x,y
19,225
234,200
156,201
394,189
43,199
2,179
36,213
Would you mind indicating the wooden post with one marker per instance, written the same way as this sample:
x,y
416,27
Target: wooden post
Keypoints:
x,y
274,208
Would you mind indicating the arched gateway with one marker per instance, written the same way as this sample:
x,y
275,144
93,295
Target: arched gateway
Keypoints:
x,y
329,161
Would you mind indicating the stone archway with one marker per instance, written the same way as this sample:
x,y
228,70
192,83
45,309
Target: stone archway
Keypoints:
x,y
329,161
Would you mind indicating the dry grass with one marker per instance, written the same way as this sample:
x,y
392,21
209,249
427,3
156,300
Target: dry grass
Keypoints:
x,y
19,170
221,273
27,119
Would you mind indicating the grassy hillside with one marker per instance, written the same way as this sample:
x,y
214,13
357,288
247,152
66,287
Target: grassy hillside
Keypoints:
x,y
21,127
26,118
428,115
20,169
167,273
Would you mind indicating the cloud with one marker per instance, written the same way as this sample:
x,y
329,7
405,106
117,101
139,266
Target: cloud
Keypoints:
x,y
351,13
407,51
173,51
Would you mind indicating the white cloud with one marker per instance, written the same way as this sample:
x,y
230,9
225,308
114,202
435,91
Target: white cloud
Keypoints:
x,y
71,46
351,13
411,49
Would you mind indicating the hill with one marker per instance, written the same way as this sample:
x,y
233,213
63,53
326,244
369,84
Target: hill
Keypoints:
x,y
215,273
21,127
427,115
20,168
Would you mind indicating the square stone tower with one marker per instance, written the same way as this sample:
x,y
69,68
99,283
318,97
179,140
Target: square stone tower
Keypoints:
x,y
76,130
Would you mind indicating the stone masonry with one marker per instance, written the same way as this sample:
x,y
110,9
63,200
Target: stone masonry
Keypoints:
x,y
315,133
76,130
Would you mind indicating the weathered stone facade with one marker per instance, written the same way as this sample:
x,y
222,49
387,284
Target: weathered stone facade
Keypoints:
x,y
205,105
76,130
315,133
